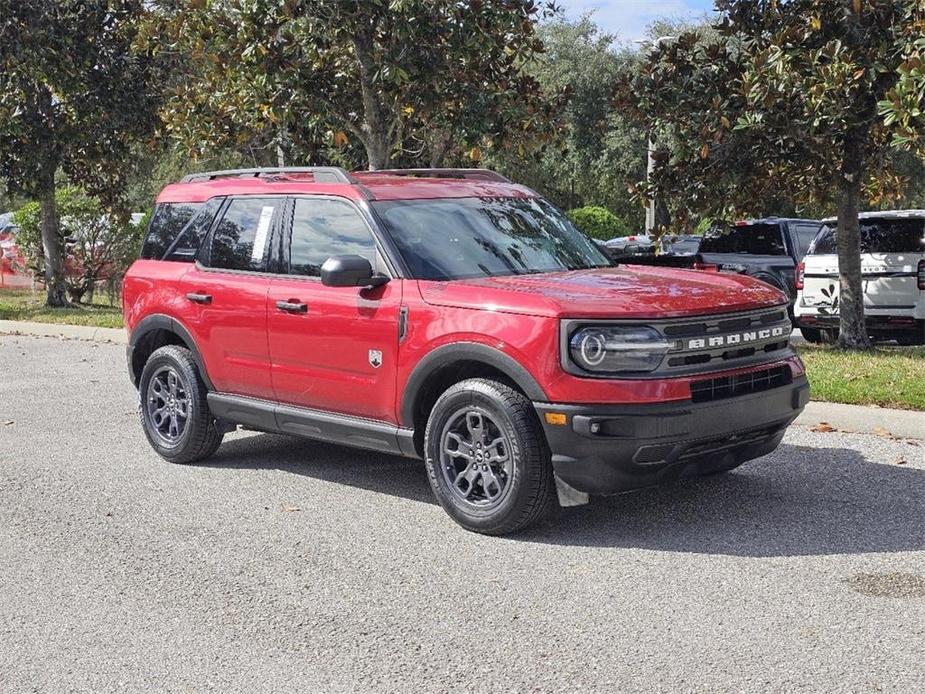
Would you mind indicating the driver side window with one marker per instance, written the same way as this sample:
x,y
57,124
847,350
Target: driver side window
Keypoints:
x,y
322,228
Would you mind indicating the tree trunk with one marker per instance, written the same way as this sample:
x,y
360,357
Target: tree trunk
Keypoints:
x,y
439,147
378,151
377,136
56,292
852,329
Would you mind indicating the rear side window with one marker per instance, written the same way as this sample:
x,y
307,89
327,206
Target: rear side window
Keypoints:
x,y
184,249
322,228
167,222
805,233
878,236
751,239
240,241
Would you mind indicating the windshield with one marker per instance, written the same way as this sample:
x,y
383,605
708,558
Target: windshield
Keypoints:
x,y
752,239
877,236
458,238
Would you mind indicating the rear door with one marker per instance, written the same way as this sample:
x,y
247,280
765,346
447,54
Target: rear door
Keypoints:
x,y
226,295
332,348
890,253
891,249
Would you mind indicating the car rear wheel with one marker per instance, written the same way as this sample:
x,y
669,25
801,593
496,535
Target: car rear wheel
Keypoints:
x,y
487,458
173,408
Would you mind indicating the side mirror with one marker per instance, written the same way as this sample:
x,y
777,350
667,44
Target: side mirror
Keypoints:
x,y
350,271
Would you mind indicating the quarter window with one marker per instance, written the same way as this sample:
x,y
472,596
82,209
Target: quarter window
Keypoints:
x,y
322,228
240,241
167,222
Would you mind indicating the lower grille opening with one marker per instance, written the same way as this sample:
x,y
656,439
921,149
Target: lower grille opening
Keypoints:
x,y
723,387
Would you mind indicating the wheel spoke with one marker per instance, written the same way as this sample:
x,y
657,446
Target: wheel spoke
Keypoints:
x,y
497,450
491,485
476,426
468,475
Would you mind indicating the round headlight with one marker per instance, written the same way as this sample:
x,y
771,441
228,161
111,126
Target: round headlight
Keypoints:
x,y
617,349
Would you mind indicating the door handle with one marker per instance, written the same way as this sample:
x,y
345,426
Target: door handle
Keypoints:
x,y
292,306
199,298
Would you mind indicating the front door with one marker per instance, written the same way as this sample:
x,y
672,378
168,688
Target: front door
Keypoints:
x,y
332,348
227,295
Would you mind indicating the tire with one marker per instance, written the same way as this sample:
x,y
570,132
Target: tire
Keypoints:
x,y
501,481
813,335
170,385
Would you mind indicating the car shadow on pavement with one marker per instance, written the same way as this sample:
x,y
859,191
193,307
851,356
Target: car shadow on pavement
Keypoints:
x,y
798,501
378,472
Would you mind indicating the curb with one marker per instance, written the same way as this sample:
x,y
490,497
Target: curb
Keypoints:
x,y
68,332
882,421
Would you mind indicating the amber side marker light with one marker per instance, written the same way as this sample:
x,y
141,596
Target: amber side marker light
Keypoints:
x,y
557,418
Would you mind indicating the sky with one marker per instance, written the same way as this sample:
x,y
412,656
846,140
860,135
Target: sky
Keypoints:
x,y
628,19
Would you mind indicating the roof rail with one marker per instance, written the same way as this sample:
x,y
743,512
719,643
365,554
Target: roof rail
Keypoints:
x,y
474,174
323,174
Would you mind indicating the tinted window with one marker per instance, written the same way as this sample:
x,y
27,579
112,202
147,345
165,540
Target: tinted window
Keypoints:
x,y
447,239
167,222
878,236
752,239
322,228
193,234
805,233
241,238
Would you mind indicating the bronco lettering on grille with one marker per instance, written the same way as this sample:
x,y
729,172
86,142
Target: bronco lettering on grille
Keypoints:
x,y
736,338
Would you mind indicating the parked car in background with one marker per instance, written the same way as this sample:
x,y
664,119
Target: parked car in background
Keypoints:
x,y
685,244
635,244
892,274
767,249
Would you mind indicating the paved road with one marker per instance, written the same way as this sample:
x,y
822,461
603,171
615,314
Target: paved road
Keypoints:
x,y
291,565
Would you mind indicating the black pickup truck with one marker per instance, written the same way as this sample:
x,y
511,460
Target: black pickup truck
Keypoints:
x,y
767,249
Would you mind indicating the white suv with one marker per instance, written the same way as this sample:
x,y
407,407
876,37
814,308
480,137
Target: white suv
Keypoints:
x,y
892,273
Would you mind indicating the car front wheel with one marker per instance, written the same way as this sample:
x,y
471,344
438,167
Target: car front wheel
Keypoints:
x,y
173,407
487,458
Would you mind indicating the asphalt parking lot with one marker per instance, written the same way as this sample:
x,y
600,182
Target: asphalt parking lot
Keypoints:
x,y
291,565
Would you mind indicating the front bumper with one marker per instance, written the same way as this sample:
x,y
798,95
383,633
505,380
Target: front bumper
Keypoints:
x,y
606,449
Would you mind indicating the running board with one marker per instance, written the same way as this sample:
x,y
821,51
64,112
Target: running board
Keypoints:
x,y
314,424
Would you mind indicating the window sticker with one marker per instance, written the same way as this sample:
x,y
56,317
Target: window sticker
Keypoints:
x,y
260,239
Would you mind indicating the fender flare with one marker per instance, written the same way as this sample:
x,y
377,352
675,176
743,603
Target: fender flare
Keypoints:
x,y
465,351
160,321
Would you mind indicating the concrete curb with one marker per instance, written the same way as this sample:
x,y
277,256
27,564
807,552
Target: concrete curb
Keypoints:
x,y
904,424
69,332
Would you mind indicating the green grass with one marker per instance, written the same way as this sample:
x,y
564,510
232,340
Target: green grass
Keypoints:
x,y
886,376
29,306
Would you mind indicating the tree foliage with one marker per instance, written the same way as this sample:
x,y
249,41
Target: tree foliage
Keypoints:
x,y
74,94
598,222
314,76
781,95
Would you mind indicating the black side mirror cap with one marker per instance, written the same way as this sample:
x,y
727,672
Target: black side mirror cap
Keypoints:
x,y
350,271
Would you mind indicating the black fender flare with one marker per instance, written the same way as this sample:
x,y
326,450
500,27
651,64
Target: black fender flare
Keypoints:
x,y
160,321
465,351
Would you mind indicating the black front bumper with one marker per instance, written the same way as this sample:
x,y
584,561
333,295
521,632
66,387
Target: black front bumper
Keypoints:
x,y
606,449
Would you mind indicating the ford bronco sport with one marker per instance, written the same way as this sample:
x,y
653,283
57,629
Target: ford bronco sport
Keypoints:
x,y
453,316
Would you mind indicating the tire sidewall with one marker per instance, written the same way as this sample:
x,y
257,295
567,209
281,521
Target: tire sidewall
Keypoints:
x,y
190,381
472,517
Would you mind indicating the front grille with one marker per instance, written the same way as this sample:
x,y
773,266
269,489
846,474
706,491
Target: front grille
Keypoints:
x,y
722,387
726,339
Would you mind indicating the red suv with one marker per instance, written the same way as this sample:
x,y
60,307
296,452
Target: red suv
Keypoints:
x,y
453,316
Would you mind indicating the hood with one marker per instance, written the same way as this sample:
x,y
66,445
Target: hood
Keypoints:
x,y
620,292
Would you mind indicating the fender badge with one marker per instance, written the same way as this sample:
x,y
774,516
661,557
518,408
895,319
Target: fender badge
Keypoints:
x,y
375,358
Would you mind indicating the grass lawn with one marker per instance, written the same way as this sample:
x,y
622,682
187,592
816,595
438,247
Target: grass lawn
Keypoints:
x,y
887,376
24,305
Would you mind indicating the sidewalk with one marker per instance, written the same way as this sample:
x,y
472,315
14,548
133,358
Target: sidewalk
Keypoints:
x,y
904,424
70,332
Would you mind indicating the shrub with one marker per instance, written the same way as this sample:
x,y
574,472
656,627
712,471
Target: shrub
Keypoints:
x,y
97,246
598,222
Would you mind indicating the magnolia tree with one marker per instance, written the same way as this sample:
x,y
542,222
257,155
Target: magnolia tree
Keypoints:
x,y
417,75
785,95
74,95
